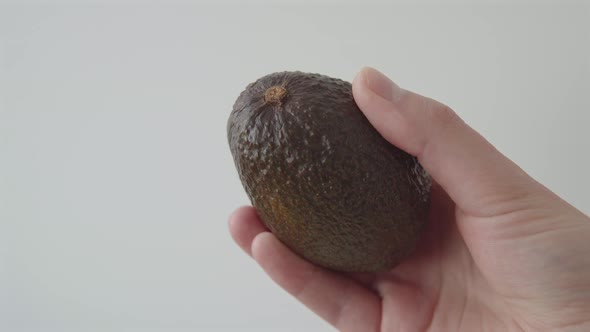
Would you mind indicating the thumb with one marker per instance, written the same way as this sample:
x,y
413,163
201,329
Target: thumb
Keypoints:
x,y
479,179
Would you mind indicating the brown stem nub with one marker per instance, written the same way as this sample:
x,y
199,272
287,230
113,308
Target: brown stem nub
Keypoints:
x,y
275,94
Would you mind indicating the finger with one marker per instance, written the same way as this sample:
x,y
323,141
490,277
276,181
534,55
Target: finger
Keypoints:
x,y
479,179
244,225
339,300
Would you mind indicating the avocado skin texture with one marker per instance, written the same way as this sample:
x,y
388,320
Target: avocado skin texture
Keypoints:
x,y
322,179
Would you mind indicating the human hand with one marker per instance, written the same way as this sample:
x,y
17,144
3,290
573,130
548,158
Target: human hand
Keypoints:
x,y
500,252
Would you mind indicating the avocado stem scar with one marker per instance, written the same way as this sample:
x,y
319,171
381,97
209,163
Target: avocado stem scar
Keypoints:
x,y
275,94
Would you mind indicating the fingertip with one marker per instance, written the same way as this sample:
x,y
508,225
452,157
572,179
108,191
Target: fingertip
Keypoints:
x,y
379,84
360,90
282,265
261,243
244,225
383,114
361,74
366,71
237,215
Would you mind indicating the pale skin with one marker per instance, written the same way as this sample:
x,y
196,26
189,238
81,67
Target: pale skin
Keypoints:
x,y
501,251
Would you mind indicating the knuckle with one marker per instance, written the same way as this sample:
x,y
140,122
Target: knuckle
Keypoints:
x,y
443,115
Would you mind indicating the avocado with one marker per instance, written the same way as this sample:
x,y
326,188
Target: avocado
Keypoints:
x,y
322,179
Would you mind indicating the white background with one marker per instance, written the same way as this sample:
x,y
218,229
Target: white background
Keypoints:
x,y
115,175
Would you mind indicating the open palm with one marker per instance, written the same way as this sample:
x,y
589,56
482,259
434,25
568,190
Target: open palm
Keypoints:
x,y
500,252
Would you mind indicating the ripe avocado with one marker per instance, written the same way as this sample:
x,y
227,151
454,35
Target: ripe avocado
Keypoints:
x,y
322,179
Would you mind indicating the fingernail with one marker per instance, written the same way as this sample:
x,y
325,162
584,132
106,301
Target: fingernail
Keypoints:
x,y
381,85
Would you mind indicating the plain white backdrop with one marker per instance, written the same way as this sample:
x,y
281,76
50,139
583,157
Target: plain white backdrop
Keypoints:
x,y
115,174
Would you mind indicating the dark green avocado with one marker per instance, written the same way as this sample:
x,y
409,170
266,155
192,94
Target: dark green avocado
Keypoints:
x,y
322,179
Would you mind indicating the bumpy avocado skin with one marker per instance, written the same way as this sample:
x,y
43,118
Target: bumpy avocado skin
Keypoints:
x,y
322,179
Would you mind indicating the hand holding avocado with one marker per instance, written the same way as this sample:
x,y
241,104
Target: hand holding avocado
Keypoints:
x,y
322,179
399,216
